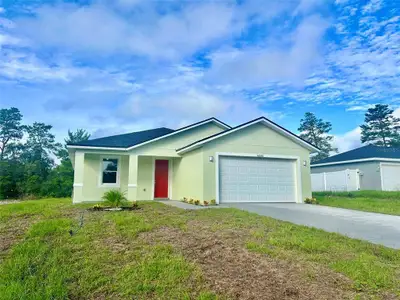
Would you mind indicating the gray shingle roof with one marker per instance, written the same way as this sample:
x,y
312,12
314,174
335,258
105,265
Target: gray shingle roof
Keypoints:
x,y
368,151
125,140
135,138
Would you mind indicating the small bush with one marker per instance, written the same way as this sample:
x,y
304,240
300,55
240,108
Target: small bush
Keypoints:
x,y
311,201
213,202
185,200
191,201
205,203
135,205
196,202
114,198
98,207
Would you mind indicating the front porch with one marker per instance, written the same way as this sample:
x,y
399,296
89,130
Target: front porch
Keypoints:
x,y
140,177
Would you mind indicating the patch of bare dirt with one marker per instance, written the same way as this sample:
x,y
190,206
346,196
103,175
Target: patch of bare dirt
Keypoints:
x,y
14,229
11,232
233,271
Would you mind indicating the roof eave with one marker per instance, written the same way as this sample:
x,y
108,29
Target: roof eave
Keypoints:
x,y
356,161
77,147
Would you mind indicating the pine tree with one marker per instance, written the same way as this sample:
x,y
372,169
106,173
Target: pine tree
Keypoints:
x,y
316,131
381,128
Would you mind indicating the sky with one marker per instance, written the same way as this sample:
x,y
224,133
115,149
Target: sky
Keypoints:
x,y
117,66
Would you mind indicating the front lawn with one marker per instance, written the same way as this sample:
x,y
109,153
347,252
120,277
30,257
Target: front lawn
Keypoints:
x,y
371,201
51,249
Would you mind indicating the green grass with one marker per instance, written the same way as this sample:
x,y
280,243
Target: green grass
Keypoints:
x,y
106,258
373,268
371,201
361,194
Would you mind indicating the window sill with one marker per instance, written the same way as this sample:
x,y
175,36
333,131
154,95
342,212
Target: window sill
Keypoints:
x,y
109,186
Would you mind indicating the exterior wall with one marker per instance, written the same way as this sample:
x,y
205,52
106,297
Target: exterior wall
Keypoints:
x,y
92,191
87,171
145,178
255,139
370,178
192,175
167,147
188,176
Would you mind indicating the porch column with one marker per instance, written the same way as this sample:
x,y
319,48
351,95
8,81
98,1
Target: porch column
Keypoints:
x,y
132,177
79,167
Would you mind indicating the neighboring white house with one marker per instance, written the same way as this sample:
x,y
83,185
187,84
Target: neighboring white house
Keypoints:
x,y
378,168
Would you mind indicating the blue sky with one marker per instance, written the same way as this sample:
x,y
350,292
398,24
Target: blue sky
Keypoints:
x,y
115,66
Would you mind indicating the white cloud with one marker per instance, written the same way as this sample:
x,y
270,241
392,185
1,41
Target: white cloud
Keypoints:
x,y
341,2
184,107
134,64
253,67
347,141
372,6
146,33
396,112
7,40
128,3
359,107
362,65
2,10
308,5
21,66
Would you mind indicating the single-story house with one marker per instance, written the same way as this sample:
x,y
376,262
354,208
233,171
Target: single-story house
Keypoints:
x,y
258,161
378,167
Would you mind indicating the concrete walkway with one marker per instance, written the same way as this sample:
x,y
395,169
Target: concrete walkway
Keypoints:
x,y
376,228
184,205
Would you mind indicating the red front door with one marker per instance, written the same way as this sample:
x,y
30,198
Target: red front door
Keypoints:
x,y
161,179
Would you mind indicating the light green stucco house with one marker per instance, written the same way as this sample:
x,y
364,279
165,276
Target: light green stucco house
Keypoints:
x,y
258,161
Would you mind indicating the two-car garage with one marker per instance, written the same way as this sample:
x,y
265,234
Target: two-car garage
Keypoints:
x,y
258,161
257,179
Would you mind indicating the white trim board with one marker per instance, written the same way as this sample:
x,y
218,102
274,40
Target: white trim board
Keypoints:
x,y
213,120
357,160
297,170
263,121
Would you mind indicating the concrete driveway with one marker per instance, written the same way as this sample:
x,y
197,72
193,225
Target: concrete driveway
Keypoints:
x,y
375,228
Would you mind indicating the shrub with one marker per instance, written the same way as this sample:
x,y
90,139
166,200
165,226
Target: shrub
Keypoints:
x,y
135,205
185,200
213,202
205,203
196,202
311,201
97,207
114,198
191,201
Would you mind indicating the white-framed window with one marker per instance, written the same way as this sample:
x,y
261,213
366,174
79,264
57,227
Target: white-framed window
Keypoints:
x,y
109,168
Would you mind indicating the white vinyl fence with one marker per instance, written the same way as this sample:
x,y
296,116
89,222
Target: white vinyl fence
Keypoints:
x,y
347,180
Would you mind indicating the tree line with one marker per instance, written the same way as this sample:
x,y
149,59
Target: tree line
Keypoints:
x,y
28,152
27,158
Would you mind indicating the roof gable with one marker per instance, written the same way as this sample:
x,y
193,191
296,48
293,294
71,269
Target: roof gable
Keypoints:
x,y
370,152
124,142
261,120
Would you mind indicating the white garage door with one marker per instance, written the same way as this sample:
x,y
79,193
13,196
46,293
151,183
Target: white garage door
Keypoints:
x,y
390,174
251,179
